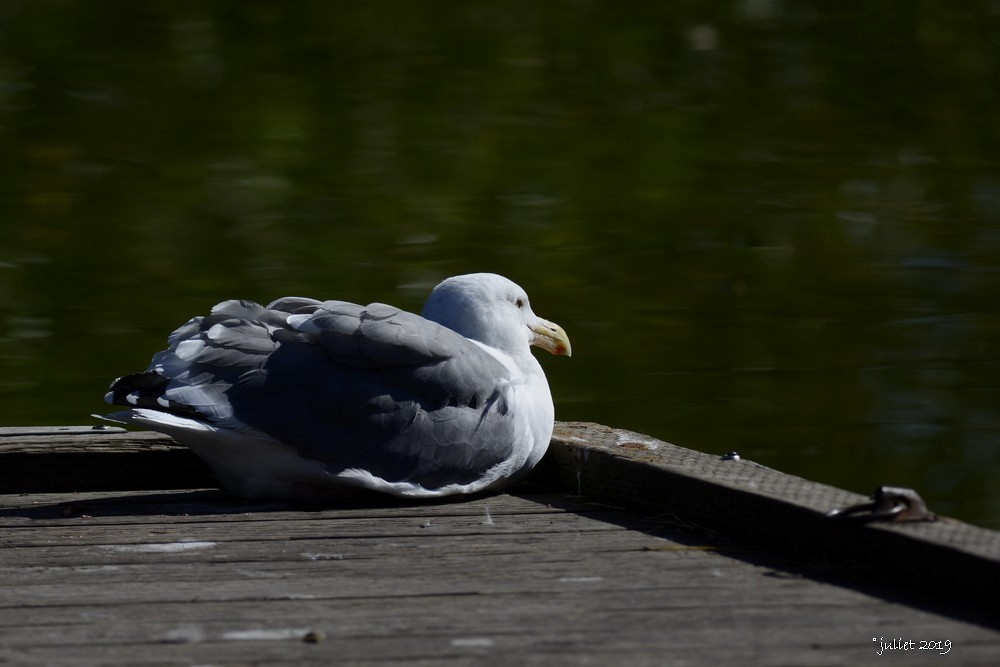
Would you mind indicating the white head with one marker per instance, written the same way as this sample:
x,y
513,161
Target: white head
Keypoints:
x,y
494,311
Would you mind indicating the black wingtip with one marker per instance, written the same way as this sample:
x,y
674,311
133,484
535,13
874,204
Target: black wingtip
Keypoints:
x,y
137,389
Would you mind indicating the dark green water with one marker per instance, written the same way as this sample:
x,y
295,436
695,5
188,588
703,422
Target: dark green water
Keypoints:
x,y
770,227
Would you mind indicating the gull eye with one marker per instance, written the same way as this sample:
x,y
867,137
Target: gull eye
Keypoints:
x,y
519,302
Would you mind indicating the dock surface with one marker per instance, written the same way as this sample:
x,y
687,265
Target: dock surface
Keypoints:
x,y
545,574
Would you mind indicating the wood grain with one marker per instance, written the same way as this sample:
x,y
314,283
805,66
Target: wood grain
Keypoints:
x,y
532,577
115,549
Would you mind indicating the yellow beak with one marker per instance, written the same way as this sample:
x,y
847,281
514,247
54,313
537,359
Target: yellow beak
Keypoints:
x,y
551,337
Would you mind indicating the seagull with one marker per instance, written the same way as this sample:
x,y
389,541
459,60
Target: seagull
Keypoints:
x,y
309,400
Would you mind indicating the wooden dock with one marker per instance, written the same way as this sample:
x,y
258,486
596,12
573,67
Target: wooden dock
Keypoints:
x,y
622,549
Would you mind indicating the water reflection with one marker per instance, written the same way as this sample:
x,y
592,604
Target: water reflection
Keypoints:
x,y
770,227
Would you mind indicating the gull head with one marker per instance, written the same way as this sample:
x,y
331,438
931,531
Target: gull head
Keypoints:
x,y
494,311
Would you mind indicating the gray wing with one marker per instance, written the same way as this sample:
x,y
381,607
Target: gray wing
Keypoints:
x,y
367,387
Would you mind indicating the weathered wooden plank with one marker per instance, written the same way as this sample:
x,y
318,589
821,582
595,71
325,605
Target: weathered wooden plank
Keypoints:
x,y
334,575
23,431
436,526
208,505
37,459
251,579
533,521
597,587
605,630
737,498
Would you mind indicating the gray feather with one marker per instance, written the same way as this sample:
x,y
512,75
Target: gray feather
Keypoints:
x,y
373,387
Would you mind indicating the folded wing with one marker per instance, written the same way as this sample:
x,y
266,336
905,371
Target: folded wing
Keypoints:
x,y
362,388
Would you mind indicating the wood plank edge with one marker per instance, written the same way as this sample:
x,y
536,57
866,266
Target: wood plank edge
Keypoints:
x,y
920,557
